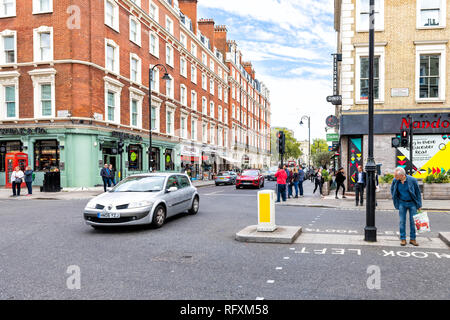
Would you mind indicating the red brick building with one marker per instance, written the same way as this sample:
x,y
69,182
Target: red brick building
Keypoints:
x,y
74,81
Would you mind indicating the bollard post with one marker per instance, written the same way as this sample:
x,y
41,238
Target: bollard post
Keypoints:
x,y
266,211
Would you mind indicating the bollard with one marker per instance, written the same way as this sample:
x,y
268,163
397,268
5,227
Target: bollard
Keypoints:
x,y
266,211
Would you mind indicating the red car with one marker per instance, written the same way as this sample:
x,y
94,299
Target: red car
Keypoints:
x,y
250,178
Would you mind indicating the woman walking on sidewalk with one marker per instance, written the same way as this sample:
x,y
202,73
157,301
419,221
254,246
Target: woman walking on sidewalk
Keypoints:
x,y
295,181
16,180
29,180
319,182
340,178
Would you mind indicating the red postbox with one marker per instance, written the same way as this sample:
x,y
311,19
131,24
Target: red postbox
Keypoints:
x,y
12,160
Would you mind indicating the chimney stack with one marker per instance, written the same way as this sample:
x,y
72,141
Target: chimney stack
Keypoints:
x,y
206,27
189,8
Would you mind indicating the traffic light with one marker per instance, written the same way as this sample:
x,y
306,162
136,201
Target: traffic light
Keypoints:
x,y
396,141
281,142
404,138
120,146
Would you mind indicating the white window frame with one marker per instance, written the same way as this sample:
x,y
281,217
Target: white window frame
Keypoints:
x,y
204,59
183,71
171,94
225,116
442,17
39,78
211,65
138,30
115,86
137,95
169,58
193,73
169,25
183,99
211,134
194,49
4,34
37,43
211,109
170,110
184,132
138,79
183,39
194,100
379,51
225,97
379,20
137,2
116,67
37,7
2,11
204,82
156,105
156,79
211,86
194,135
219,91
156,13
9,79
439,49
205,132
219,113
155,35
115,6
204,106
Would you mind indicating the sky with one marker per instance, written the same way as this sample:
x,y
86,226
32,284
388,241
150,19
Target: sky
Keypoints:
x,y
289,43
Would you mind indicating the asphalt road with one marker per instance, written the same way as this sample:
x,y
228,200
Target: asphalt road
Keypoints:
x,y
196,257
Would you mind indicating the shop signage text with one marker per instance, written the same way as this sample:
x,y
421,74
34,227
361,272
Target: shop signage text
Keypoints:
x,y
424,124
127,136
22,131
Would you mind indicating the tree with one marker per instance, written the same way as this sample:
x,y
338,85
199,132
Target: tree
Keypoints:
x,y
322,159
292,146
318,146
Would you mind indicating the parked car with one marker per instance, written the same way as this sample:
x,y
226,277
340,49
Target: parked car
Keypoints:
x,y
143,199
269,175
226,177
251,178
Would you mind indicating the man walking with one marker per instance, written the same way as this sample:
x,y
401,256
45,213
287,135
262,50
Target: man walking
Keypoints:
x,y
105,174
281,183
406,196
301,178
360,185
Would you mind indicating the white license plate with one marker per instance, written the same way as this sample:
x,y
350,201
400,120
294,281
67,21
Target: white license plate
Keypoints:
x,y
108,215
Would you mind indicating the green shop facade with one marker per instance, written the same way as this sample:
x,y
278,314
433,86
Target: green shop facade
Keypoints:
x,y
79,153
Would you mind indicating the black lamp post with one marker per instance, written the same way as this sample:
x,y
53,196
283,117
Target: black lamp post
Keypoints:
x,y
309,138
370,231
165,77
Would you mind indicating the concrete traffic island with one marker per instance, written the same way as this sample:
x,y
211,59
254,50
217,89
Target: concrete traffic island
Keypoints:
x,y
445,236
282,234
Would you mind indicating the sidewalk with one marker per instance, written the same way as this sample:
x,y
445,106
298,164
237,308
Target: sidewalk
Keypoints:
x,y
314,200
70,193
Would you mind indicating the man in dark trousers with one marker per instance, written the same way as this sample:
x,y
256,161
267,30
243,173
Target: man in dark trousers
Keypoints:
x,y
360,185
340,178
281,183
105,173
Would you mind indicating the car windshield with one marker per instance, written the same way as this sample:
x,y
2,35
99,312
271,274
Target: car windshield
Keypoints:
x,y
224,173
252,173
140,184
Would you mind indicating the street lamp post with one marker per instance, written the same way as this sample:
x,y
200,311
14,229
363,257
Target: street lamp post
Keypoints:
x,y
309,138
370,231
150,80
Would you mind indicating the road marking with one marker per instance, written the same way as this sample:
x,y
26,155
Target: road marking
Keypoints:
x,y
259,298
279,268
286,258
270,281
389,241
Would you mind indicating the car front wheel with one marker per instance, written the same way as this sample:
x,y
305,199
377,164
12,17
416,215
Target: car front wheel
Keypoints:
x,y
159,216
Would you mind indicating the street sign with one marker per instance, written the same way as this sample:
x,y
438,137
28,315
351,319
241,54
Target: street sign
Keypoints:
x,y
332,137
330,148
332,121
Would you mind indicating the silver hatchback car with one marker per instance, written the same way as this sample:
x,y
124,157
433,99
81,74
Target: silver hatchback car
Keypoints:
x,y
143,199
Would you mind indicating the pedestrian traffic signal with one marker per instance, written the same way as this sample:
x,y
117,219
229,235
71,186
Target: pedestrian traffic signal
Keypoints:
x,y
396,141
404,138
281,142
120,147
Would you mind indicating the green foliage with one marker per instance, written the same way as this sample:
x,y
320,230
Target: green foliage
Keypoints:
x,y
322,159
437,178
292,146
387,178
319,146
326,175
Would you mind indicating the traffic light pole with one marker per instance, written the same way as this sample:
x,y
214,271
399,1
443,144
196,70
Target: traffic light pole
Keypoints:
x,y
411,167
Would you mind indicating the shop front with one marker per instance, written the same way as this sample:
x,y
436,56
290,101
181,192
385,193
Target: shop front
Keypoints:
x,y
191,161
431,143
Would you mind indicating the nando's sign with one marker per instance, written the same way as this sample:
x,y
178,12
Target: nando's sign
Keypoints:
x,y
390,123
425,124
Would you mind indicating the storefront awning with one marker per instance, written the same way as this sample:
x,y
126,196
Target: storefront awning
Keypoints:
x,y
231,160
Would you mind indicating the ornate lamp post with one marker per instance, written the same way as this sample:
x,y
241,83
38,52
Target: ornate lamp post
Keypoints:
x,y
165,77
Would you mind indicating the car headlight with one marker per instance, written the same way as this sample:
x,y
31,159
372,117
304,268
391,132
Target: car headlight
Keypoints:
x,y
140,204
91,204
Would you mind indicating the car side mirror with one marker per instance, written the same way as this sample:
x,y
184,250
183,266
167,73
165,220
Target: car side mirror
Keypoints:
x,y
172,189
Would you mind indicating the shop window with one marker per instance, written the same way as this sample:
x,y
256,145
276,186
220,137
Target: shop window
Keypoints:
x,y
156,161
5,147
135,158
46,155
168,159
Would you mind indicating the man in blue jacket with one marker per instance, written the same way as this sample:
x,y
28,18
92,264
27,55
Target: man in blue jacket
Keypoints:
x,y
406,196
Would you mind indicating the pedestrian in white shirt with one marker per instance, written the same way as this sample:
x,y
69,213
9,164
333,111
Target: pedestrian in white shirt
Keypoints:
x,y
16,180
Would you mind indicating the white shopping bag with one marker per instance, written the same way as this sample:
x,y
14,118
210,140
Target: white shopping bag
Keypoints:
x,y
422,222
